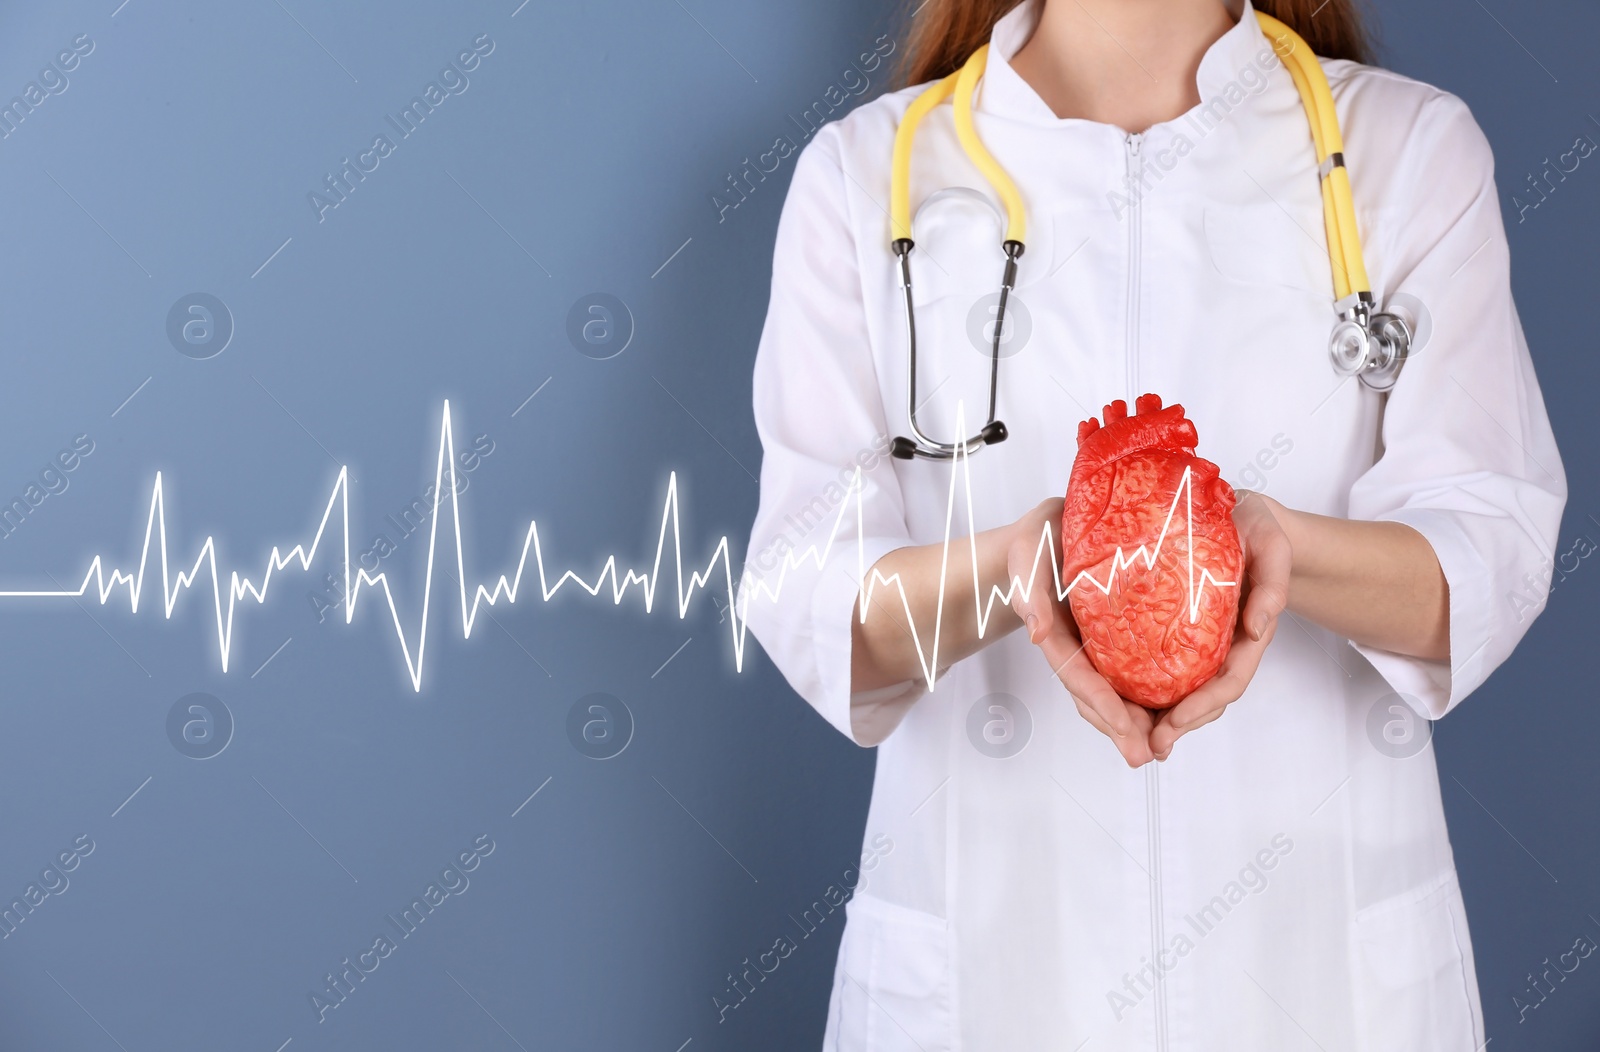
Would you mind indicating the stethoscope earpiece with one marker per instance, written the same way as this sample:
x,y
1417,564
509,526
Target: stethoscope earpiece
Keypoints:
x,y
903,448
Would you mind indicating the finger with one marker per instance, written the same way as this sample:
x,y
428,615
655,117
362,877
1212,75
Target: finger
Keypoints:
x,y
1166,735
1134,747
1110,714
1125,723
1163,737
1027,596
1144,720
1053,626
1091,717
1211,698
1045,610
1077,673
1071,665
1043,606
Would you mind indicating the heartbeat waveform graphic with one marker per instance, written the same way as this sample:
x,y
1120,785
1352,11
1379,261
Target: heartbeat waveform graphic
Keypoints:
x,y
102,583
961,472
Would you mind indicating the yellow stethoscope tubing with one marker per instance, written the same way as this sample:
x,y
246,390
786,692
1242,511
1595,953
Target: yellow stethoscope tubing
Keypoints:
x,y
1338,208
1016,215
962,83
1344,238
904,136
1330,206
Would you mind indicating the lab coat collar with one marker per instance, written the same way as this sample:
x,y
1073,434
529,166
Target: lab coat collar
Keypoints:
x,y
1004,93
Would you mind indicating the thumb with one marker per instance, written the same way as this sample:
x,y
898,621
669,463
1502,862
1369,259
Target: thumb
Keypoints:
x,y
1030,569
1269,591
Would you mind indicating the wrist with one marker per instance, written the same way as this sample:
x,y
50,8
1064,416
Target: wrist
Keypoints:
x,y
1294,525
1287,518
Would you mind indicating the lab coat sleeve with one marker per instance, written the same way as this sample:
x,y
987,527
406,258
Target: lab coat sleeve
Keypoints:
x,y
819,413
1468,457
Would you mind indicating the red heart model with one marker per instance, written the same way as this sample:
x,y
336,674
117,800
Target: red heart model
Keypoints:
x,y
1128,481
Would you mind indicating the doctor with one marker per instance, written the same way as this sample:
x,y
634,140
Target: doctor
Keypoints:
x,y
1265,865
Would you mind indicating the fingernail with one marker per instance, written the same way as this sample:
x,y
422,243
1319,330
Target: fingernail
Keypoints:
x,y
1259,626
1033,625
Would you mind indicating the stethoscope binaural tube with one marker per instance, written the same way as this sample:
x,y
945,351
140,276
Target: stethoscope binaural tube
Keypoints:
x,y
993,430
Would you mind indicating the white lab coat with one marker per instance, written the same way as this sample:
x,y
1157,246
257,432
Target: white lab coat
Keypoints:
x,y
1284,878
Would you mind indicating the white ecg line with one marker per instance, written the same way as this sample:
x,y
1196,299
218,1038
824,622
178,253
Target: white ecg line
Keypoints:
x,y
105,581
929,659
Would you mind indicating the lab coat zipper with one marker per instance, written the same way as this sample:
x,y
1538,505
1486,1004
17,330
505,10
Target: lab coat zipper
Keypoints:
x,y
1152,783
1135,168
1135,233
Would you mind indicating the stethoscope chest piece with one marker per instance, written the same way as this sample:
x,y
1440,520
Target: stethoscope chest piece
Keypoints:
x,y
1372,347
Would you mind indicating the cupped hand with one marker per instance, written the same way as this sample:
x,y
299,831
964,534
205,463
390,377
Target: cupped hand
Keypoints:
x,y
1050,626
1267,562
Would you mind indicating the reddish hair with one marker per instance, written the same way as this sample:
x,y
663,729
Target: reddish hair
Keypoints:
x,y
945,32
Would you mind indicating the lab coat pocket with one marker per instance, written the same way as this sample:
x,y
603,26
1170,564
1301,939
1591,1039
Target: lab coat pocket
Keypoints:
x,y
1261,245
893,986
959,254
1413,965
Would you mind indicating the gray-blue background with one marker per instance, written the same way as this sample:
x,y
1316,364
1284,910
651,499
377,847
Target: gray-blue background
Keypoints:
x,y
581,158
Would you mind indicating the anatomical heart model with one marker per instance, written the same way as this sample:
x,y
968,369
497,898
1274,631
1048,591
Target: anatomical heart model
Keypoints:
x,y
1138,494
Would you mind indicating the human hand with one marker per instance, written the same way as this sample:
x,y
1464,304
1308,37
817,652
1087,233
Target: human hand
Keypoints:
x,y
1268,558
1050,626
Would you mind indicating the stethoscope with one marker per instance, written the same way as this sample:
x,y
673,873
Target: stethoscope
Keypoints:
x,y
1365,343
